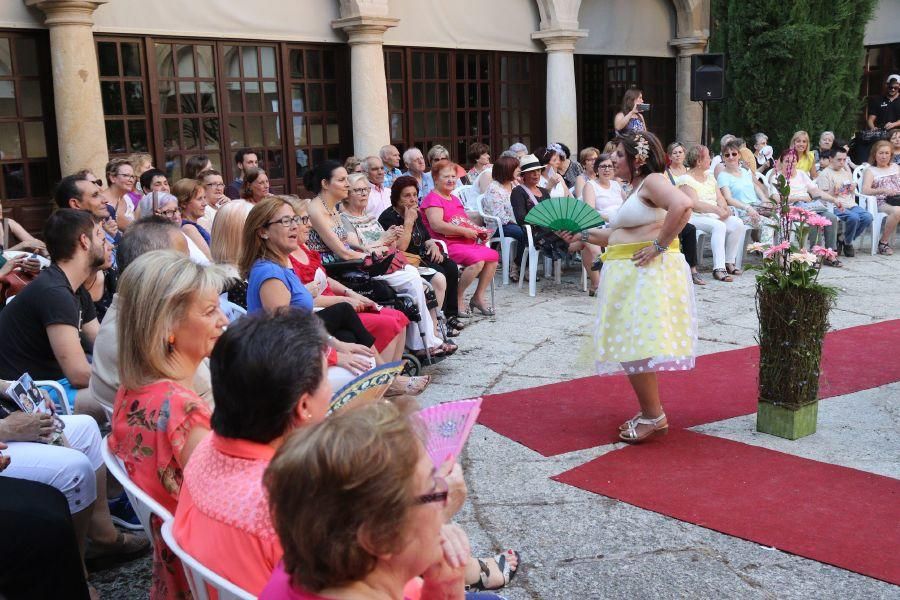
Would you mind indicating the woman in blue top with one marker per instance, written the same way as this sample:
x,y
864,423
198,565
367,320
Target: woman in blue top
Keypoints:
x,y
191,197
271,234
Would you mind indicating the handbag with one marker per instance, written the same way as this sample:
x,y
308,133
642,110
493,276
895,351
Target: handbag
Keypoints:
x,y
893,200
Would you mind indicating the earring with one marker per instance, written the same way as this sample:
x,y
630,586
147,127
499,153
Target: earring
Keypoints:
x,y
307,415
170,344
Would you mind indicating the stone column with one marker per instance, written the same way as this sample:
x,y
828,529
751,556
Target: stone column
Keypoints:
x,y
76,84
368,89
688,114
562,108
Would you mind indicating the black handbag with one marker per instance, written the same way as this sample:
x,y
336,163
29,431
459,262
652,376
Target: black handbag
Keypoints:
x,y
893,200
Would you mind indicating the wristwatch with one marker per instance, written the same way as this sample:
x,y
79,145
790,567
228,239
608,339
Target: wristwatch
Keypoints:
x,y
584,236
659,248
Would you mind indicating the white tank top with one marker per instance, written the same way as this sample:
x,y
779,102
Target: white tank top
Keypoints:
x,y
635,212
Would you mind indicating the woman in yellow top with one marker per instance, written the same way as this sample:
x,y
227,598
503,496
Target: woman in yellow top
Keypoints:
x,y
806,160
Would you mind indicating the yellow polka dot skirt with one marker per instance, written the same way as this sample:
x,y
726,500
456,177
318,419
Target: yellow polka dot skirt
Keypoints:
x,y
647,319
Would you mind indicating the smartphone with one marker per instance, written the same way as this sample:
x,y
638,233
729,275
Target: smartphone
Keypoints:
x,y
643,107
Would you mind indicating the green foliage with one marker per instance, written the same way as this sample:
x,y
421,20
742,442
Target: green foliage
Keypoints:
x,y
790,65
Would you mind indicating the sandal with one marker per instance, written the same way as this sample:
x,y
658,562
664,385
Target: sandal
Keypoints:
x,y
659,426
408,386
733,270
507,571
630,422
885,249
833,262
722,275
127,547
695,277
487,312
454,323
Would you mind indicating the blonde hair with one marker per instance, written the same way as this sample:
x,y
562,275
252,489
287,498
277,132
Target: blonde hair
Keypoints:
x,y
586,152
800,135
138,159
228,232
255,247
154,293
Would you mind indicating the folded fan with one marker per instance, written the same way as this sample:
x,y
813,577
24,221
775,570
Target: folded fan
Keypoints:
x,y
367,388
564,214
448,426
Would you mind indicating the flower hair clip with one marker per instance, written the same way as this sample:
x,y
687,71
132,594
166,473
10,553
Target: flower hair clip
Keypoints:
x,y
642,146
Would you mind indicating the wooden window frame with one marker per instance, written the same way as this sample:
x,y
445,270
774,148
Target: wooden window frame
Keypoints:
x,y
121,80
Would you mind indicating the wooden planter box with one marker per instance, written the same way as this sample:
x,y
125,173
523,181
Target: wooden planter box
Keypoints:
x,y
785,423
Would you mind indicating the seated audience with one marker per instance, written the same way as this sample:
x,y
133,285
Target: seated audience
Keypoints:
x,y
48,329
152,180
145,235
387,325
603,192
806,160
762,153
278,359
390,157
882,180
710,210
366,233
271,234
569,168
195,165
14,237
676,153
551,178
519,149
165,205
379,193
895,145
747,195
479,156
838,181
75,468
805,194
435,154
353,164
446,220
80,192
141,163
418,247
496,204
526,196
587,157
826,142
415,167
245,160
34,524
227,244
120,182
255,186
192,204
169,321
214,185
356,526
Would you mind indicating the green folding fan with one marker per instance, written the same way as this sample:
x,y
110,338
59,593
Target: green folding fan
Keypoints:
x,y
564,214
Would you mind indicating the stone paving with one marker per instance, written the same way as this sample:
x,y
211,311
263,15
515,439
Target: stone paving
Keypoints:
x,y
576,544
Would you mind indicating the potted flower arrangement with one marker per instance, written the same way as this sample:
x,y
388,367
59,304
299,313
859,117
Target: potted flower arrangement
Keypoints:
x,y
793,316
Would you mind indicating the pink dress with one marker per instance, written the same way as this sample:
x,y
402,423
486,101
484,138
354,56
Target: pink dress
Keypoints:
x,y
463,251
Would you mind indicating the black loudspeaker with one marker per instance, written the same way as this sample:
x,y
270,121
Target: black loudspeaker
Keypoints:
x,y
707,77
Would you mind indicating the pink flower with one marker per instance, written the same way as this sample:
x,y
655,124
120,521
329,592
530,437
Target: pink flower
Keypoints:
x,y
776,249
824,252
815,220
756,247
799,214
803,257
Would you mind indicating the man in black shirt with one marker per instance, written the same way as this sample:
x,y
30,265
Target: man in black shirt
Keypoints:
x,y
884,112
46,327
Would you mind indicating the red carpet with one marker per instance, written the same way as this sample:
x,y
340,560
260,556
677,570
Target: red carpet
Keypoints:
x,y
583,413
831,514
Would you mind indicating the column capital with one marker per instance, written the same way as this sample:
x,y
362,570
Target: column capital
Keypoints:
x,y
67,12
560,40
365,29
693,44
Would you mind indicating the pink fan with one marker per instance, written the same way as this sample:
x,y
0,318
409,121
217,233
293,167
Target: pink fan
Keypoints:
x,y
448,427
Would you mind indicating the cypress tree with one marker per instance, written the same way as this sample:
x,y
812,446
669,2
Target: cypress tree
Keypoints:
x,y
790,65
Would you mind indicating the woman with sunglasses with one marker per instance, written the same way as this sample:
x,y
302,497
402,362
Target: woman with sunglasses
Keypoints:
x,y
362,512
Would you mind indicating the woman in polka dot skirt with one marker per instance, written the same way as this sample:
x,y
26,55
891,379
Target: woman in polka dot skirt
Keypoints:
x,y
646,320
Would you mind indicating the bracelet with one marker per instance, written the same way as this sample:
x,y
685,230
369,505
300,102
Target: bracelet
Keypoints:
x,y
585,235
659,248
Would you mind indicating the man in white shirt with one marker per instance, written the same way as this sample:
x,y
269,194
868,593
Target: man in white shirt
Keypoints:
x,y
380,196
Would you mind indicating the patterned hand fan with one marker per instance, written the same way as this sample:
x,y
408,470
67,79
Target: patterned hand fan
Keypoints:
x,y
564,214
367,388
448,426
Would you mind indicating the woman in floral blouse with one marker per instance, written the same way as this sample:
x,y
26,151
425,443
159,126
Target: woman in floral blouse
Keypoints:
x,y
169,322
496,204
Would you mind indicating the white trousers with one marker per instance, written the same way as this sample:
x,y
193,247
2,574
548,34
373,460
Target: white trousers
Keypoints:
x,y
408,281
70,470
725,237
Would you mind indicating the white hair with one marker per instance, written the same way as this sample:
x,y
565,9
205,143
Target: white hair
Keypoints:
x,y
410,155
518,147
149,205
824,133
367,162
384,150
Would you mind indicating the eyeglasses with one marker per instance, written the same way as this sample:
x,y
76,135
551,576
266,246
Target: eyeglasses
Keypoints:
x,y
169,213
361,191
217,185
730,154
440,494
288,221
605,167
98,182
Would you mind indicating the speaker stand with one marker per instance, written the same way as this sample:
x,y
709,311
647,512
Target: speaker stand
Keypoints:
x,y
705,124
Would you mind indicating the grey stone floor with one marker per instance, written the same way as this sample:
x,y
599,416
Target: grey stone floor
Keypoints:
x,y
576,544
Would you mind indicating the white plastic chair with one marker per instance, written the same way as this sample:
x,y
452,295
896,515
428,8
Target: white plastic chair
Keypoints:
x,y
467,194
869,203
199,577
60,391
506,243
141,502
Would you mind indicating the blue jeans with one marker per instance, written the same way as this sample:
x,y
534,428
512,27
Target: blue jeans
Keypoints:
x,y
855,219
517,233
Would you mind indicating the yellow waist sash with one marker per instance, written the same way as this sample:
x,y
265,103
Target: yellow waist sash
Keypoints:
x,y
626,251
